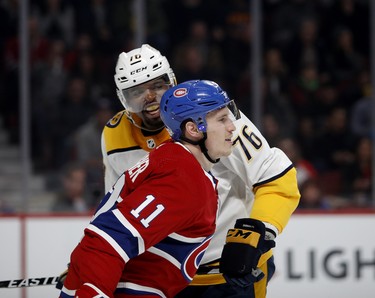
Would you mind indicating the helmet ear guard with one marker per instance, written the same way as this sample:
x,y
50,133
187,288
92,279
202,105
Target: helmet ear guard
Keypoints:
x,y
201,123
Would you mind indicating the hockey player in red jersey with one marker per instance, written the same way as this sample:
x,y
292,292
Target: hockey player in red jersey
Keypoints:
x,y
149,233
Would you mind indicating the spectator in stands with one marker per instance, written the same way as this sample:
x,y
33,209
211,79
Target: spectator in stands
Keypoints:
x,y
192,63
75,109
197,56
360,122
306,48
351,14
50,77
72,196
271,129
345,62
334,151
312,196
303,90
56,19
306,132
196,9
275,72
305,169
86,67
275,89
83,44
86,145
327,98
38,53
283,19
336,143
49,82
236,48
358,175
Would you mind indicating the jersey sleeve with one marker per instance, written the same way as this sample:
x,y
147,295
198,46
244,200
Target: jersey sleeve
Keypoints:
x,y
268,172
276,200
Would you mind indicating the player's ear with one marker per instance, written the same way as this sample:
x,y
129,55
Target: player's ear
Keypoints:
x,y
192,131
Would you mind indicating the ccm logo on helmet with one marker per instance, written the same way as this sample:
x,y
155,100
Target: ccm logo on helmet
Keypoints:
x,y
138,70
180,92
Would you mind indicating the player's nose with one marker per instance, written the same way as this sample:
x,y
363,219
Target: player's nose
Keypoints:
x,y
231,126
150,95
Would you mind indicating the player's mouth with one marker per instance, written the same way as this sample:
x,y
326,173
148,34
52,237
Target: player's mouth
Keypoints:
x,y
229,140
152,109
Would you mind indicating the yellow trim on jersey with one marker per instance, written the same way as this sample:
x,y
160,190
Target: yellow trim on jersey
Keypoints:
x,y
208,279
260,287
118,134
276,200
121,134
263,259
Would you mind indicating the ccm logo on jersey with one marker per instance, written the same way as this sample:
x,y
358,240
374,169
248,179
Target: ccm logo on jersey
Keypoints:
x,y
243,236
180,92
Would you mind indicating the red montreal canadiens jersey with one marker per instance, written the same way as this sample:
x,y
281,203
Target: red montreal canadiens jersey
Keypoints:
x,y
153,226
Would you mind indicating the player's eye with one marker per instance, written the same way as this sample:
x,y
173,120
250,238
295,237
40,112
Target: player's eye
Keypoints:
x,y
223,118
136,92
158,85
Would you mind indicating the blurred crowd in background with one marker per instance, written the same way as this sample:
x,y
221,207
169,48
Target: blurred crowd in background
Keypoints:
x,y
315,83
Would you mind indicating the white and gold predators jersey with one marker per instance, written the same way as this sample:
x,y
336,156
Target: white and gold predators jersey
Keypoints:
x,y
124,144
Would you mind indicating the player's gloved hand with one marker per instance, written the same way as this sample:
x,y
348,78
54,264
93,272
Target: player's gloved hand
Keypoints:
x,y
244,246
61,280
245,280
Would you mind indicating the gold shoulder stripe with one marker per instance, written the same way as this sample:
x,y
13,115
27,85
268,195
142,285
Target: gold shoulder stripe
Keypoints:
x,y
115,119
118,135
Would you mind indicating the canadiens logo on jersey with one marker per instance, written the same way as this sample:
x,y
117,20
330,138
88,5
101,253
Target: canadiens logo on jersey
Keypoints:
x,y
191,263
151,143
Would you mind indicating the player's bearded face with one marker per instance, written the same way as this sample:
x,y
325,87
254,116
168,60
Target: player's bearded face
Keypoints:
x,y
146,97
220,128
144,100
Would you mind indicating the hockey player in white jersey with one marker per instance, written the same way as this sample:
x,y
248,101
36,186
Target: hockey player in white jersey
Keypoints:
x,y
256,181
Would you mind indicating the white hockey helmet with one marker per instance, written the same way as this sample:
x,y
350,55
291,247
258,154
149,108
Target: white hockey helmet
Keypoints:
x,y
139,66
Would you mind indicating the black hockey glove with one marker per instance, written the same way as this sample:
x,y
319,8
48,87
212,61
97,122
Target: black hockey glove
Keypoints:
x,y
245,280
61,280
244,246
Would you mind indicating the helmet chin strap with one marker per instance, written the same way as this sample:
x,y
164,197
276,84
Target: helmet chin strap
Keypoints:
x,y
202,145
